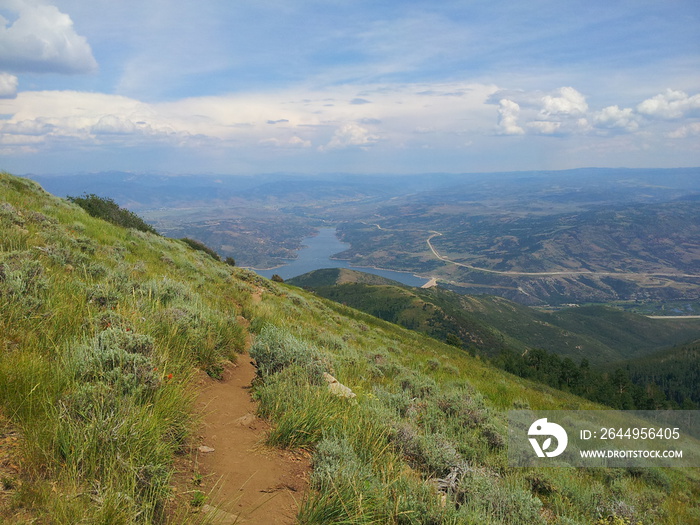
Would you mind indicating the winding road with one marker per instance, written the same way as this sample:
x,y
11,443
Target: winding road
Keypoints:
x,y
543,274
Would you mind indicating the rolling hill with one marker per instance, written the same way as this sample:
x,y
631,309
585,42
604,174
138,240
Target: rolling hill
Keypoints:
x,y
488,323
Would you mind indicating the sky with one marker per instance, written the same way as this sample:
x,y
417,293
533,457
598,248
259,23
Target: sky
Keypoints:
x,y
319,86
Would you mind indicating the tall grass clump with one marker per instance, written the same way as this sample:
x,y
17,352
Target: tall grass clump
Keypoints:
x,y
107,429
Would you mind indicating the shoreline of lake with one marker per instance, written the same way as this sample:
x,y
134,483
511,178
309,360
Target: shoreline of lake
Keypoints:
x,y
317,253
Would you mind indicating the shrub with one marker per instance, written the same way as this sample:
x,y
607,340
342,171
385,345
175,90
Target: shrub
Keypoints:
x,y
335,462
432,453
117,359
103,296
200,246
417,385
22,280
108,210
487,498
166,291
276,349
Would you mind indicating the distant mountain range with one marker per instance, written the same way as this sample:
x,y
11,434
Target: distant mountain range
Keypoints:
x,y
538,238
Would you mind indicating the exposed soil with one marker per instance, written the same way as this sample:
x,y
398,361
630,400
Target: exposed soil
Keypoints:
x,y
9,465
247,482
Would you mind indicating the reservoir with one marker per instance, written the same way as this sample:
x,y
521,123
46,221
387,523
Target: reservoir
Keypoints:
x,y
317,253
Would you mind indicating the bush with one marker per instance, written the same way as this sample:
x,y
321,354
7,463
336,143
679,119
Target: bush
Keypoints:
x,y
335,463
166,291
116,359
417,385
276,349
22,281
108,210
489,499
434,454
200,246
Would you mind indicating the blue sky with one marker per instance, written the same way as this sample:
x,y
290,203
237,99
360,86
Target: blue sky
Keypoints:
x,y
230,86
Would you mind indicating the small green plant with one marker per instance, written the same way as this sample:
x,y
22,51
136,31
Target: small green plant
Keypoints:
x,y
215,371
198,499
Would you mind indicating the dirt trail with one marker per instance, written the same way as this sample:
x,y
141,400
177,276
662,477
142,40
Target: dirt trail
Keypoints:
x,y
252,483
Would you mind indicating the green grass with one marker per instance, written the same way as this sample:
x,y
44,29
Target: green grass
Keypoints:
x,y
102,327
430,410
488,324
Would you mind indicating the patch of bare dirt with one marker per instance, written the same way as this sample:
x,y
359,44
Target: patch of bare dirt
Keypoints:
x,y
10,471
246,481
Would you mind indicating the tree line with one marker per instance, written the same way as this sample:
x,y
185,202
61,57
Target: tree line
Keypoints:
x,y
624,388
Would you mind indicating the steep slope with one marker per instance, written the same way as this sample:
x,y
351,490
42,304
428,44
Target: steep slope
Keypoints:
x,y
488,323
102,329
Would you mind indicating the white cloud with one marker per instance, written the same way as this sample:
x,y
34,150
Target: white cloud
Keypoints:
x,y
299,123
349,135
46,118
299,142
614,117
545,127
292,142
690,130
42,39
508,112
37,127
113,125
670,105
8,85
568,102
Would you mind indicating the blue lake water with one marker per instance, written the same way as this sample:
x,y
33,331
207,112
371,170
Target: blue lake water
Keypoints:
x,y
317,253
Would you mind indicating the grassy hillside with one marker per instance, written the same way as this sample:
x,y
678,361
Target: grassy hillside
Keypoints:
x,y
101,328
333,276
489,324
